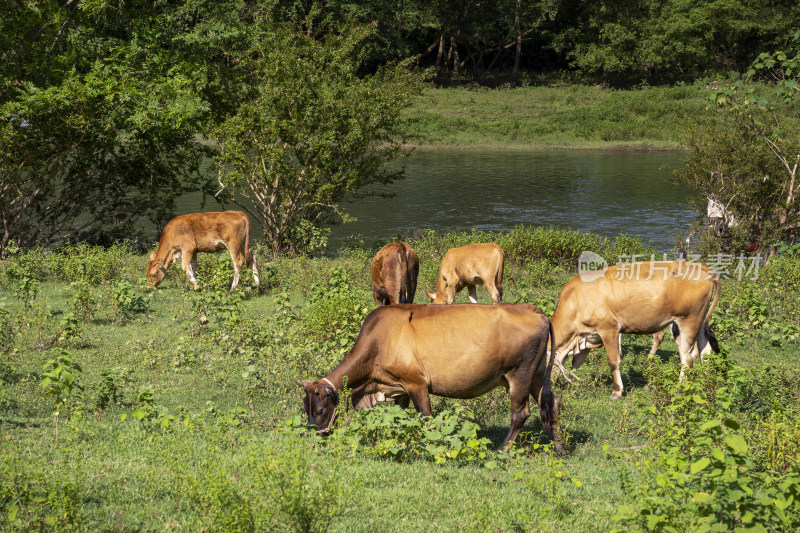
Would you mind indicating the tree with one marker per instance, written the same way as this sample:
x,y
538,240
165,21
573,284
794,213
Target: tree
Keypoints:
x,y
96,120
311,131
752,168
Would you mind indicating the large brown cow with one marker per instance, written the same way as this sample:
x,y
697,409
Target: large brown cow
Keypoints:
x,y
642,298
186,235
394,274
468,266
455,351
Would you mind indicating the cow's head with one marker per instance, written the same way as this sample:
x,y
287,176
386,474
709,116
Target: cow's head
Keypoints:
x,y
436,298
320,403
155,271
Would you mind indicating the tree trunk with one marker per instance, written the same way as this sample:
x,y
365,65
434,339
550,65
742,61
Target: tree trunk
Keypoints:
x,y
518,32
399,21
440,52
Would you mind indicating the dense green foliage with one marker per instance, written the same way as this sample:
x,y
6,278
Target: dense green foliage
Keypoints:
x,y
103,108
619,42
309,130
109,112
184,413
749,163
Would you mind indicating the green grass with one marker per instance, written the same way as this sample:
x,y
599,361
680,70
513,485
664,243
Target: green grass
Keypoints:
x,y
207,471
556,117
573,117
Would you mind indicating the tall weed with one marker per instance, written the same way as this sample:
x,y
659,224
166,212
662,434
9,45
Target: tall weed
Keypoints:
x,y
701,472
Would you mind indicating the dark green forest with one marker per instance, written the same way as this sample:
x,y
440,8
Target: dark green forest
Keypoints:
x,y
620,43
109,111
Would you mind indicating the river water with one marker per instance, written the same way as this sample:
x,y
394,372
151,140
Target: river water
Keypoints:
x,y
604,192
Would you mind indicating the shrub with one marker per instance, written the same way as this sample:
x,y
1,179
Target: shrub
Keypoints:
x,y
8,331
126,302
404,435
305,497
701,474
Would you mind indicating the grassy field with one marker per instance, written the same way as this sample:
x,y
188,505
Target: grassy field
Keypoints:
x,y
568,117
183,414
575,116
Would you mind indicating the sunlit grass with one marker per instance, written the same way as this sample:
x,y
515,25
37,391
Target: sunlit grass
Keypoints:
x,y
556,117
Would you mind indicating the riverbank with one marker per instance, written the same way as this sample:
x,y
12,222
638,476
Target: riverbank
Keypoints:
x,y
569,117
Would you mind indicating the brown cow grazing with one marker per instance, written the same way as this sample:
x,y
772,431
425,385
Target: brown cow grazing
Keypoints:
x,y
455,351
394,274
468,266
595,307
186,235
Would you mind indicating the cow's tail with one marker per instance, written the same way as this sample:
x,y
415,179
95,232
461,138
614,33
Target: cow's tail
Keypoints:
x,y
547,401
712,339
248,257
412,271
498,276
399,275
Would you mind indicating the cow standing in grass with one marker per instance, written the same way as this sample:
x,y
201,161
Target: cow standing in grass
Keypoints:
x,y
596,307
456,351
394,274
469,266
186,235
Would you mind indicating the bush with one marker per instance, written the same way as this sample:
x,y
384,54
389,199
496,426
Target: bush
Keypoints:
x,y
700,473
404,435
97,264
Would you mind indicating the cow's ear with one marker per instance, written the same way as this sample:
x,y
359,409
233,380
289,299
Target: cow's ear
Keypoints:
x,y
303,382
152,256
431,295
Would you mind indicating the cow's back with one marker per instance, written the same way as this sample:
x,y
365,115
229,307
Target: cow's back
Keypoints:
x,y
473,259
394,272
638,296
207,231
457,347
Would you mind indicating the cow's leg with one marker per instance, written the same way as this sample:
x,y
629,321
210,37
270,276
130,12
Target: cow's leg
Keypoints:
x,y
238,263
688,341
419,395
611,342
554,430
189,265
254,267
494,293
473,293
520,410
657,339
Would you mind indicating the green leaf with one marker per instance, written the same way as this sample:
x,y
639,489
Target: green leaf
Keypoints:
x,y
701,497
733,424
700,465
697,399
736,443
